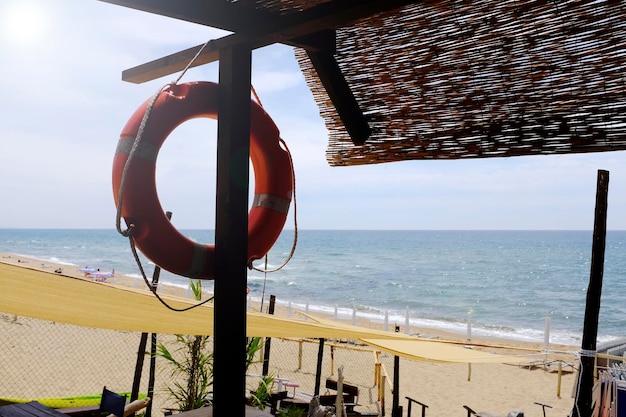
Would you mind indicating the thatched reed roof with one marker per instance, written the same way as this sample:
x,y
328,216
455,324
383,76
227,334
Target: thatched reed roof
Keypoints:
x,y
407,79
477,79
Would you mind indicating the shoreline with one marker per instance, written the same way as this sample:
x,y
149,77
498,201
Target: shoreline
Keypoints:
x,y
508,293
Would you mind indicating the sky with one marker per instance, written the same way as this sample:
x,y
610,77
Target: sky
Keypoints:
x,y
65,105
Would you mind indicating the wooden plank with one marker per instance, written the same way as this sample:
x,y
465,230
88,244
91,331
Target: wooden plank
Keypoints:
x,y
288,29
29,409
176,62
255,22
230,16
349,389
171,64
92,410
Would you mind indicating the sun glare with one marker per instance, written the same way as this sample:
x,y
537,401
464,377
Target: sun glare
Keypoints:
x,y
24,23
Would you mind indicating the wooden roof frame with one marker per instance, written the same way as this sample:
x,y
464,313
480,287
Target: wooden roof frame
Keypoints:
x,y
311,29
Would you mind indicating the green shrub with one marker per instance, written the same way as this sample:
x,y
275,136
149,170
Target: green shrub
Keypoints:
x,y
190,362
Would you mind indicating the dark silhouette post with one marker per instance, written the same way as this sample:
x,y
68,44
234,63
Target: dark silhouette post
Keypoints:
x,y
268,341
396,409
142,350
583,404
318,373
231,232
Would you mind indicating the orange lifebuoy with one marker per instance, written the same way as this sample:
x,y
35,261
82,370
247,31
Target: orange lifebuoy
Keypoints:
x,y
153,233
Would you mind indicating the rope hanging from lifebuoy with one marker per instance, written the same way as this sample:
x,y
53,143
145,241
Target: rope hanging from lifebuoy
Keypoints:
x,y
134,184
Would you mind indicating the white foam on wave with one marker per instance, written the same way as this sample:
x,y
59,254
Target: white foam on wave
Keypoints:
x,y
52,259
455,327
59,261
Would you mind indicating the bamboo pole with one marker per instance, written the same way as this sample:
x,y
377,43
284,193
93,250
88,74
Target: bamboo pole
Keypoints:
x,y
376,368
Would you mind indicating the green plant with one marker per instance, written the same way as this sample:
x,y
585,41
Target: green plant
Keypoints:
x,y
291,411
261,396
254,345
191,361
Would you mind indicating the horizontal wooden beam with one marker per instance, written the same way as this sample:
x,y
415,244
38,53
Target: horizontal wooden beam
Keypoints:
x,y
229,16
291,29
171,64
259,22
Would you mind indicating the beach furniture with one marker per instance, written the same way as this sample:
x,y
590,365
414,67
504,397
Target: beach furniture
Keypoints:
x,y
411,401
29,409
291,384
471,412
350,394
112,402
81,405
284,383
543,406
101,276
87,270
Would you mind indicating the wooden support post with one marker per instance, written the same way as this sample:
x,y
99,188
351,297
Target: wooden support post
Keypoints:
x,y
318,373
340,94
231,231
151,372
141,351
268,340
332,360
153,340
141,354
396,410
583,404
376,373
558,384
383,382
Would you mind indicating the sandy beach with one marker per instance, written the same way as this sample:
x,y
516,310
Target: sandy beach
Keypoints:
x,y
445,388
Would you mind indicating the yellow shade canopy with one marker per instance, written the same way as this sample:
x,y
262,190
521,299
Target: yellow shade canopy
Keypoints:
x,y
44,295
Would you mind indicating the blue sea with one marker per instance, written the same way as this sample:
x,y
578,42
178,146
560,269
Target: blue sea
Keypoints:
x,y
506,283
